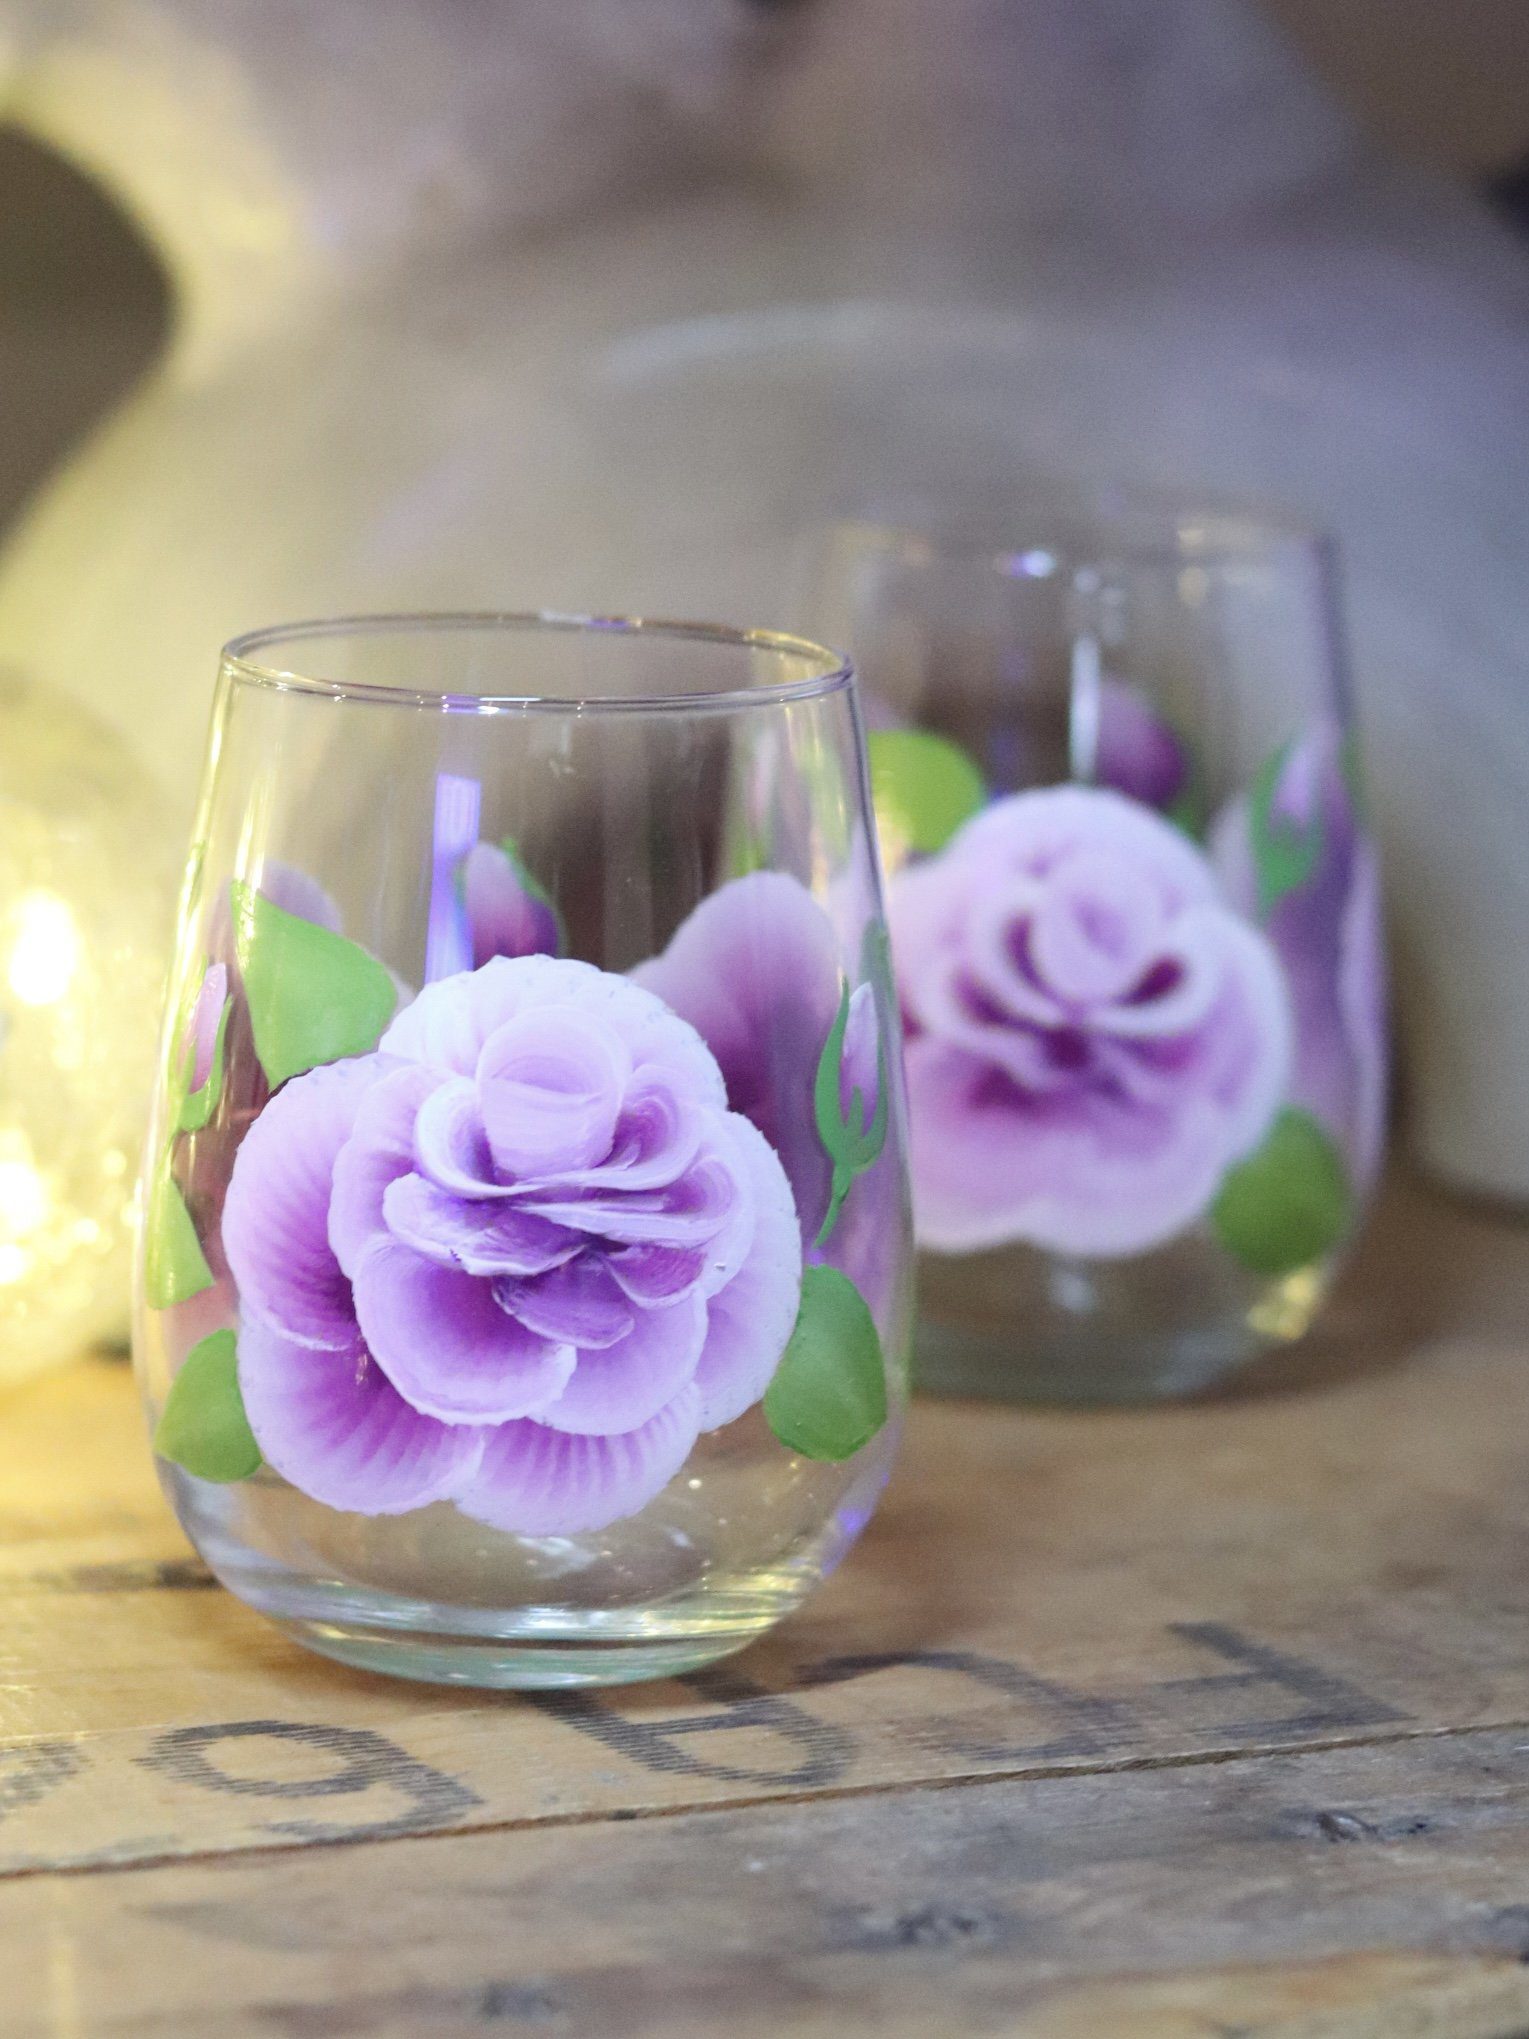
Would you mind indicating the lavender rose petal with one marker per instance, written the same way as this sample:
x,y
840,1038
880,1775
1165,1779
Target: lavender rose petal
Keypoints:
x,y
579,1303
334,1426
622,1386
751,1316
550,1086
658,1274
488,1239
683,1213
445,1343
657,1136
451,1143
275,1226
756,970
378,1150
539,1482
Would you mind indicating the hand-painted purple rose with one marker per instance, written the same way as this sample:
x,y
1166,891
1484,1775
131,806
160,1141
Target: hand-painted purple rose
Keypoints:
x,y
1328,931
1093,1036
518,1258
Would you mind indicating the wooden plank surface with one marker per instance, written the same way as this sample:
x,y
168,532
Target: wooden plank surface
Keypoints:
x,y
1172,1722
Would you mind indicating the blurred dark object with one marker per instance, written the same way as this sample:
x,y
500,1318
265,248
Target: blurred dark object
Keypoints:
x,y
86,310
1510,194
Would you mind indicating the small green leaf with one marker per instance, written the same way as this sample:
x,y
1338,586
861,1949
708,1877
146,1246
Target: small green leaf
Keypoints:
x,y
175,1267
198,1106
852,1140
1285,852
1189,806
1289,1203
924,786
829,1394
1185,816
204,1427
313,996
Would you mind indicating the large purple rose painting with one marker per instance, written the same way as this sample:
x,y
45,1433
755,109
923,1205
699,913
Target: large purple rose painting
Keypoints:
x,y
515,1243
1093,1036
1117,1034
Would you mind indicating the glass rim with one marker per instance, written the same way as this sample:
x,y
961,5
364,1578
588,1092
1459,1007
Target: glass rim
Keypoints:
x,y
1142,528
241,659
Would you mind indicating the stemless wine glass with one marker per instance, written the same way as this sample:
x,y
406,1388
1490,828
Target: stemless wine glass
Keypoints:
x,y
525,1286
1137,934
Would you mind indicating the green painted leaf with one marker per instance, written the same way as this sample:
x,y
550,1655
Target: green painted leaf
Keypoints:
x,y
924,786
313,996
829,1394
1190,806
1285,852
175,1266
204,1427
198,1106
1289,1203
1185,816
852,1140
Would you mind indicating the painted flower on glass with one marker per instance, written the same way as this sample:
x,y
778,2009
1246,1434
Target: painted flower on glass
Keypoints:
x,y
518,1257
755,970
1093,1036
1294,856
508,913
1140,753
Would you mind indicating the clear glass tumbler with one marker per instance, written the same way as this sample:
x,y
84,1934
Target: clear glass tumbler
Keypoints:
x,y
1137,931
524,1293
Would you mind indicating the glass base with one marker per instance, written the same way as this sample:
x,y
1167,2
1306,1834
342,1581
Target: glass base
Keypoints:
x,y
1020,1326
718,1560
509,1664
949,1361
531,1647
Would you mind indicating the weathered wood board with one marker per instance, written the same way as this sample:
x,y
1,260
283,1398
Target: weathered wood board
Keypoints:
x,y
1202,1720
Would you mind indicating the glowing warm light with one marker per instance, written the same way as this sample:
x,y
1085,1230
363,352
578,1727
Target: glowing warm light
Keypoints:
x,y
25,1207
24,1199
45,949
83,910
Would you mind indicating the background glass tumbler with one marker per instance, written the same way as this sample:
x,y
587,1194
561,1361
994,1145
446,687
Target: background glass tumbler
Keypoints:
x,y
525,1286
1137,932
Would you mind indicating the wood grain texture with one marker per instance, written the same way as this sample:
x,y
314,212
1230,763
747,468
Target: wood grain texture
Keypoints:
x,y
1274,1895
1206,1720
